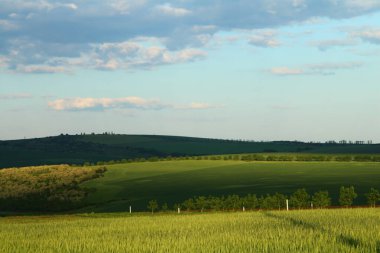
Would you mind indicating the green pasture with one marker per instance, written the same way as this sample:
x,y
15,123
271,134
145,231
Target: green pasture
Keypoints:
x,y
346,230
175,181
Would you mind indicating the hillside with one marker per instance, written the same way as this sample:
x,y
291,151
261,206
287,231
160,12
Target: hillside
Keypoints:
x,y
78,149
175,181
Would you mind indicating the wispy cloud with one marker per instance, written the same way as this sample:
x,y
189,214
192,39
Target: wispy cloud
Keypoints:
x,y
315,69
334,66
7,25
35,5
138,103
15,96
362,4
286,71
168,9
265,38
41,69
74,104
371,35
126,6
196,106
127,55
324,45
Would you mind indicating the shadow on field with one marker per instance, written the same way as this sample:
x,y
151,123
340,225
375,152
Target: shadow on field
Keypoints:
x,y
344,239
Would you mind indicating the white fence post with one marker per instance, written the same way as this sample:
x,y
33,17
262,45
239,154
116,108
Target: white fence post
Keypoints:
x,y
287,205
179,210
243,209
130,209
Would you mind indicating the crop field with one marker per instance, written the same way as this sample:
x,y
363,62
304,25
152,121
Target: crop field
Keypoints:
x,y
345,230
174,181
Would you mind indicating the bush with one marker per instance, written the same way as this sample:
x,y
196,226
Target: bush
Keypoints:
x,y
321,199
373,196
347,196
300,199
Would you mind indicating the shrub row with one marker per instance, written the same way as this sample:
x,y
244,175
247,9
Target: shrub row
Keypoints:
x,y
300,199
253,157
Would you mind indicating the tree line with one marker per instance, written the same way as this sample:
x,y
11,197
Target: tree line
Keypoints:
x,y
300,199
252,157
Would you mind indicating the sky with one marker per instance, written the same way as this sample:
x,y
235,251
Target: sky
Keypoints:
x,y
305,70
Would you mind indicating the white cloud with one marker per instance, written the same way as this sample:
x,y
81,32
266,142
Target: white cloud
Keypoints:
x,y
78,104
73,104
371,35
169,10
130,54
285,71
264,38
71,6
140,53
57,32
197,106
126,6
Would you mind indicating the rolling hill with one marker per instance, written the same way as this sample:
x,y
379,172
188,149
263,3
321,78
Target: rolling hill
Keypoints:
x,y
78,149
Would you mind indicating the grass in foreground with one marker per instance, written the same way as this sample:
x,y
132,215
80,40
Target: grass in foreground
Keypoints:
x,y
351,230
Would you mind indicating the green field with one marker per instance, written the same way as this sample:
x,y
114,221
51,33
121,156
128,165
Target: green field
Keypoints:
x,y
350,230
174,181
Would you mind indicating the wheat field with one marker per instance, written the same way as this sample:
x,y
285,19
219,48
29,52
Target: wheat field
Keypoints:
x,y
344,230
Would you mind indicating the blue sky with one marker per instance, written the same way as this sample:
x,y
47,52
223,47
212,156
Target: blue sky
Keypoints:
x,y
262,70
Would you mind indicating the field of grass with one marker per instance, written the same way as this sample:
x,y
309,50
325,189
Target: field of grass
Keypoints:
x,y
349,230
175,181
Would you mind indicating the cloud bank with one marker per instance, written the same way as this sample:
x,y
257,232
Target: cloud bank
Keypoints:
x,y
50,36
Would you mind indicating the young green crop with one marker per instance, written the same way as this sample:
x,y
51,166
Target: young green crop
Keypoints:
x,y
347,230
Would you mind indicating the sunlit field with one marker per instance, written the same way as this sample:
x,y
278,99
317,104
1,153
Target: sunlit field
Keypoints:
x,y
346,230
175,181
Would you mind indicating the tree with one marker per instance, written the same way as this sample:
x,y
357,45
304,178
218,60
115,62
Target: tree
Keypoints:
x,y
165,207
267,202
233,202
153,205
321,199
201,203
215,203
176,206
280,200
300,199
189,204
250,201
347,196
372,197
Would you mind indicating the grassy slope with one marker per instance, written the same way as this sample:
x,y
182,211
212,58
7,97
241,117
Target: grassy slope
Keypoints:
x,y
175,181
78,149
297,231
